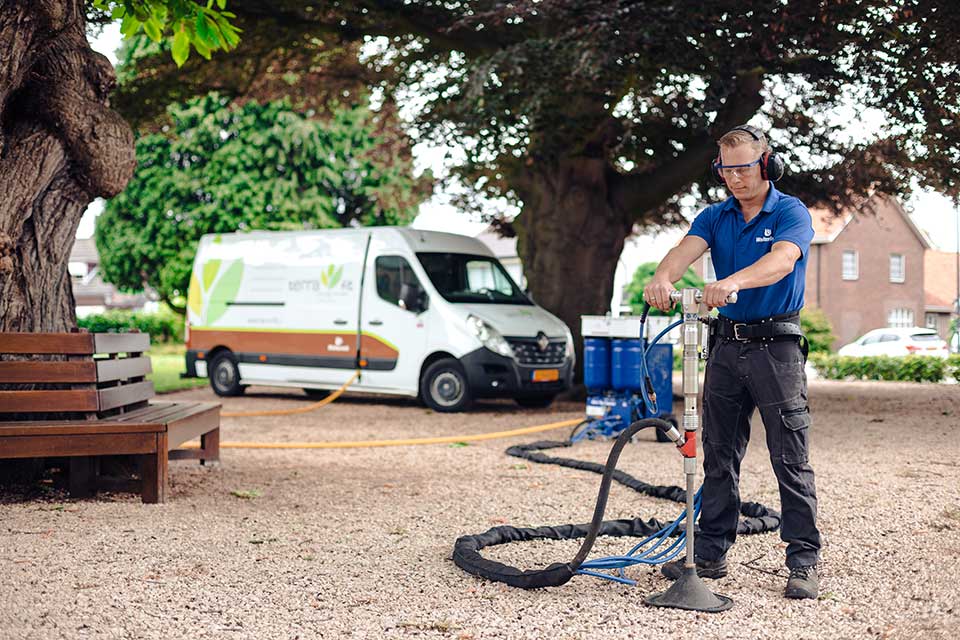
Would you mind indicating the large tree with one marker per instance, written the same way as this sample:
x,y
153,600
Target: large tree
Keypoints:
x,y
60,143
597,116
217,169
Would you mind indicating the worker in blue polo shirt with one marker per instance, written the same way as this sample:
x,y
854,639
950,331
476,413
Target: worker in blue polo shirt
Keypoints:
x,y
759,240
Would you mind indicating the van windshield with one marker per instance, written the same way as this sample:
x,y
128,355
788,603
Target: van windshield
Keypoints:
x,y
460,277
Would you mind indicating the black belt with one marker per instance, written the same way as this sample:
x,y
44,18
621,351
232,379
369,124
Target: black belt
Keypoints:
x,y
777,327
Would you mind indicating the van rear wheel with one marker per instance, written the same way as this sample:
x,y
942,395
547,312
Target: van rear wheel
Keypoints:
x,y
225,375
444,388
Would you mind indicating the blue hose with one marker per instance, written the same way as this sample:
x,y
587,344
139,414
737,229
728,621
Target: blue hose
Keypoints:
x,y
651,556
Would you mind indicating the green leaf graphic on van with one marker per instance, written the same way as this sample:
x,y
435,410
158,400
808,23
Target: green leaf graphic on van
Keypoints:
x,y
226,291
330,276
210,270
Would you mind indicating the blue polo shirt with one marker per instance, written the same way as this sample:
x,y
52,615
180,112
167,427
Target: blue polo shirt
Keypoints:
x,y
735,244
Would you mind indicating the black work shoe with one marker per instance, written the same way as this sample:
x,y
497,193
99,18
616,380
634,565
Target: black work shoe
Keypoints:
x,y
705,569
802,583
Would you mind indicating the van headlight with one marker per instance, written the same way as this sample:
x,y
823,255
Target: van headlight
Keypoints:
x,y
489,337
571,353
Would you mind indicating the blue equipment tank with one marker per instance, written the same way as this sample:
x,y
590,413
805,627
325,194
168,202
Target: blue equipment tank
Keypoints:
x,y
596,364
625,364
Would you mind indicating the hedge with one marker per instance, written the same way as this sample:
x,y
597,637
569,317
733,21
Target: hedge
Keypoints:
x,y
163,326
908,368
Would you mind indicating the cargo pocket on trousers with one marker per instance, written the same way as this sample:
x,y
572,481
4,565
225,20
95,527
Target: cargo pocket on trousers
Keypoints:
x,y
795,434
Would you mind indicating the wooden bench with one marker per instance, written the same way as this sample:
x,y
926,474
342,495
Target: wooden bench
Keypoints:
x,y
84,395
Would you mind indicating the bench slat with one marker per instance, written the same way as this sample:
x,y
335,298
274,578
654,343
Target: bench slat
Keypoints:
x,y
121,342
154,412
74,427
23,372
34,446
114,397
48,401
67,343
123,368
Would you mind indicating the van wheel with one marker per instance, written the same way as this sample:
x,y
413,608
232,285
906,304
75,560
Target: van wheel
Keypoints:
x,y
225,375
444,388
535,402
316,394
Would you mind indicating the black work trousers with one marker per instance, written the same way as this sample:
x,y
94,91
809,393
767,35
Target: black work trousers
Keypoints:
x,y
741,377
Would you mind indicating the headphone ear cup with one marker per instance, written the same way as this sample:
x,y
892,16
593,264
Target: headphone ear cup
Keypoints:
x,y
716,172
773,167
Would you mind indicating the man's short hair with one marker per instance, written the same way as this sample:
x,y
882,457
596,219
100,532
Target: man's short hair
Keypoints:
x,y
737,137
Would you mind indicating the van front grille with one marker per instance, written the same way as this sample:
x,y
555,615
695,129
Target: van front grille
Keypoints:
x,y
527,351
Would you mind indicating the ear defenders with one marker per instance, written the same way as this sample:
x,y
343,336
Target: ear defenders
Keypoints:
x,y
771,166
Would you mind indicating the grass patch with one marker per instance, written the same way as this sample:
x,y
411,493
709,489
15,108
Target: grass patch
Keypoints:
x,y
168,361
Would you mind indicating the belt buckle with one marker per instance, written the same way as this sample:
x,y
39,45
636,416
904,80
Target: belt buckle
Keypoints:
x,y
736,332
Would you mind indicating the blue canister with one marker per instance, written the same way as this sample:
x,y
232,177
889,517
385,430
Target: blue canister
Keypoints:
x,y
625,364
596,364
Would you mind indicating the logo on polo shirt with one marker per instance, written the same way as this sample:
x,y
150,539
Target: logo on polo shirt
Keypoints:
x,y
767,236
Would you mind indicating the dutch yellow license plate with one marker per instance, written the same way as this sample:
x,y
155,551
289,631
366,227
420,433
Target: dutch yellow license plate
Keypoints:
x,y
546,375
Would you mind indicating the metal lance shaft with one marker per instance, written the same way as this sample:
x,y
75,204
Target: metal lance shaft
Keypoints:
x,y
690,306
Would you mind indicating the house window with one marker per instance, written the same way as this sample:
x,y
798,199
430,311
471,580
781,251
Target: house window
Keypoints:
x,y
709,274
851,265
898,267
931,322
900,318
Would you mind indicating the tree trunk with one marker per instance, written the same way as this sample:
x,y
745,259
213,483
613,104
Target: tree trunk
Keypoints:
x,y
60,147
570,237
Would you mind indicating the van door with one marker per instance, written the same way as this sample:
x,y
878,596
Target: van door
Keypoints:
x,y
394,339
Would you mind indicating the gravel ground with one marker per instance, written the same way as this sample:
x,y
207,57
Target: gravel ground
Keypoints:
x,y
356,543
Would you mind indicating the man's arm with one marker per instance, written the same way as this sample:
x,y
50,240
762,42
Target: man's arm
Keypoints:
x,y
671,269
769,269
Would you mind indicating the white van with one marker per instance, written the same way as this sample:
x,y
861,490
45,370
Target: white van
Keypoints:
x,y
419,313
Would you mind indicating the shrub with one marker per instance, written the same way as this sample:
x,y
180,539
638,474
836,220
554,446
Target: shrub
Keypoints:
x,y
816,326
163,326
908,369
953,366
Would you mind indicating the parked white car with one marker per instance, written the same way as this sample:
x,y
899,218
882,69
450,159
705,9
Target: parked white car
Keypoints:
x,y
897,341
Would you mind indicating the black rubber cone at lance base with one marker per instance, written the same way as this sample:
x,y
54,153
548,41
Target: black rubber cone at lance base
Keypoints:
x,y
690,593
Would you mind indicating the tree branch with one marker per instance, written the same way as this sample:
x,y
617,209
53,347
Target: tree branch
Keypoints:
x,y
635,194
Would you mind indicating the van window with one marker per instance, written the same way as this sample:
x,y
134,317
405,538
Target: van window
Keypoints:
x,y
460,277
393,272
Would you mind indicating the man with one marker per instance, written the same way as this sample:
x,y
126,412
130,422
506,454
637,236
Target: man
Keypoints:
x,y
759,240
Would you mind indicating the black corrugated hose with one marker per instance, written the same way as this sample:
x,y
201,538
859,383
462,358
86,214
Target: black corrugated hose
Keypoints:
x,y
466,550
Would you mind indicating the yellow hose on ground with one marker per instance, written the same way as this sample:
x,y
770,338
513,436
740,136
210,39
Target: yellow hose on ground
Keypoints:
x,y
393,443
287,412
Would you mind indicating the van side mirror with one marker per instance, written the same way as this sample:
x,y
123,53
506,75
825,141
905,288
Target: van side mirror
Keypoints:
x,y
412,298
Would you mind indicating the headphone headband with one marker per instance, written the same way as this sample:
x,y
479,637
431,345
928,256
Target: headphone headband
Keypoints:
x,y
749,130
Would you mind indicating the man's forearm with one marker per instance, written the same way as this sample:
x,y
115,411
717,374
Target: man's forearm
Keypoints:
x,y
769,269
673,265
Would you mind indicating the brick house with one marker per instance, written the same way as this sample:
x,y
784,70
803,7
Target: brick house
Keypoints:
x,y
941,287
867,271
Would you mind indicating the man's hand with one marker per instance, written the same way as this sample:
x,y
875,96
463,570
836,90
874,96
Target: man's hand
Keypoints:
x,y
715,294
657,293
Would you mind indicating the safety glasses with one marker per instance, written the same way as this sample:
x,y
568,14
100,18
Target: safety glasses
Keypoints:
x,y
735,170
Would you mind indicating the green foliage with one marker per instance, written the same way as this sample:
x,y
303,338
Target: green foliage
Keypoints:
x,y
816,326
643,275
163,326
953,366
909,368
178,23
219,170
